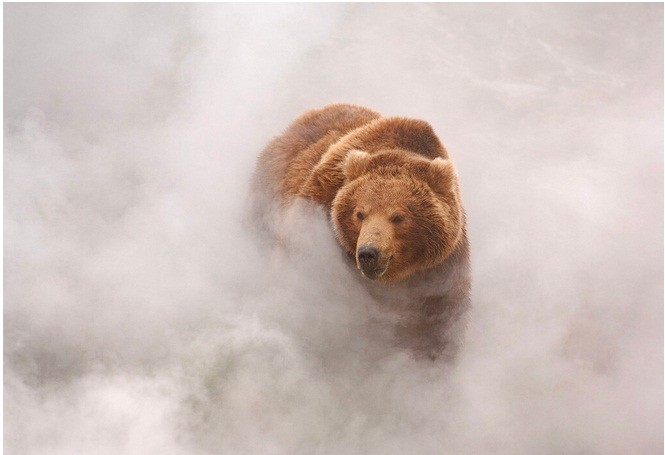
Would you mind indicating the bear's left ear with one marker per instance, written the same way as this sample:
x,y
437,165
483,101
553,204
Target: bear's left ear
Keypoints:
x,y
355,164
442,176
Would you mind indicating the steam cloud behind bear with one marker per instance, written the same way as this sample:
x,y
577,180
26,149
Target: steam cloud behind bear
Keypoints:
x,y
394,201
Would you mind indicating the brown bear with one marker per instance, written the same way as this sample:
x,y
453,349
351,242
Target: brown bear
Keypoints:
x,y
394,202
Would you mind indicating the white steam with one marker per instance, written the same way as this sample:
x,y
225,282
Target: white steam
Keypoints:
x,y
142,317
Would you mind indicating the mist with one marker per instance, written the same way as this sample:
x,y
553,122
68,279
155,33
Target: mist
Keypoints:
x,y
142,316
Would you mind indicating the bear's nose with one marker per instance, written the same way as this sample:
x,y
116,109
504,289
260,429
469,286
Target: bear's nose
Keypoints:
x,y
368,256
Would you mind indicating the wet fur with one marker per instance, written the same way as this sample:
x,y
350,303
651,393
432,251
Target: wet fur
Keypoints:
x,y
342,154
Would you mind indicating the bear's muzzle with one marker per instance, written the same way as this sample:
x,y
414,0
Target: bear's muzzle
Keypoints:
x,y
370,262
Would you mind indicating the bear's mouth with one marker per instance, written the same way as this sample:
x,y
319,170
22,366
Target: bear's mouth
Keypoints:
x,y
374,274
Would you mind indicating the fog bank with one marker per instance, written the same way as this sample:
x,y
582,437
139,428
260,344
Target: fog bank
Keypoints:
x,y
140,316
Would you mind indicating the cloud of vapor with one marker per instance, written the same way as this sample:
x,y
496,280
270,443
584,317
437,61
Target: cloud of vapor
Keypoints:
x,y
142,316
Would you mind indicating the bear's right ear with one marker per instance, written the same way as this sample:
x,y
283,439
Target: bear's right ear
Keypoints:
x,y
442,177
355,164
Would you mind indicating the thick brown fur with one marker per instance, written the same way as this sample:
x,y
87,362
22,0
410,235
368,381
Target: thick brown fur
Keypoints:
x,y
390,186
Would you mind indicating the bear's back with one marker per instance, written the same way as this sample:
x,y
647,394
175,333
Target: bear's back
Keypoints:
x,y
288,159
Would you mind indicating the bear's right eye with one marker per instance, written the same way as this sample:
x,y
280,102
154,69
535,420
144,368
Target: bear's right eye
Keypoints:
x,y
360,216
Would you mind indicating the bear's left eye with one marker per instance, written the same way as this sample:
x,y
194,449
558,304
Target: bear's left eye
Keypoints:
x,y
397,219
360,216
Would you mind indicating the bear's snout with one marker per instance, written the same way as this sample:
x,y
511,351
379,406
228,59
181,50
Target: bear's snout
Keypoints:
x,y
368,256
369,261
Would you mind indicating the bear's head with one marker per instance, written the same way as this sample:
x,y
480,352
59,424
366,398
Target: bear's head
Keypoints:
x,y
397,212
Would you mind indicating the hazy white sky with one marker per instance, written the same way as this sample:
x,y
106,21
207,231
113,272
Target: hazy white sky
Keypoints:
x,y
140,317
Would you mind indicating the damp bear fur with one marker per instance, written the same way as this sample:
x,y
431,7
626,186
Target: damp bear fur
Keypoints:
x,y
393,198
